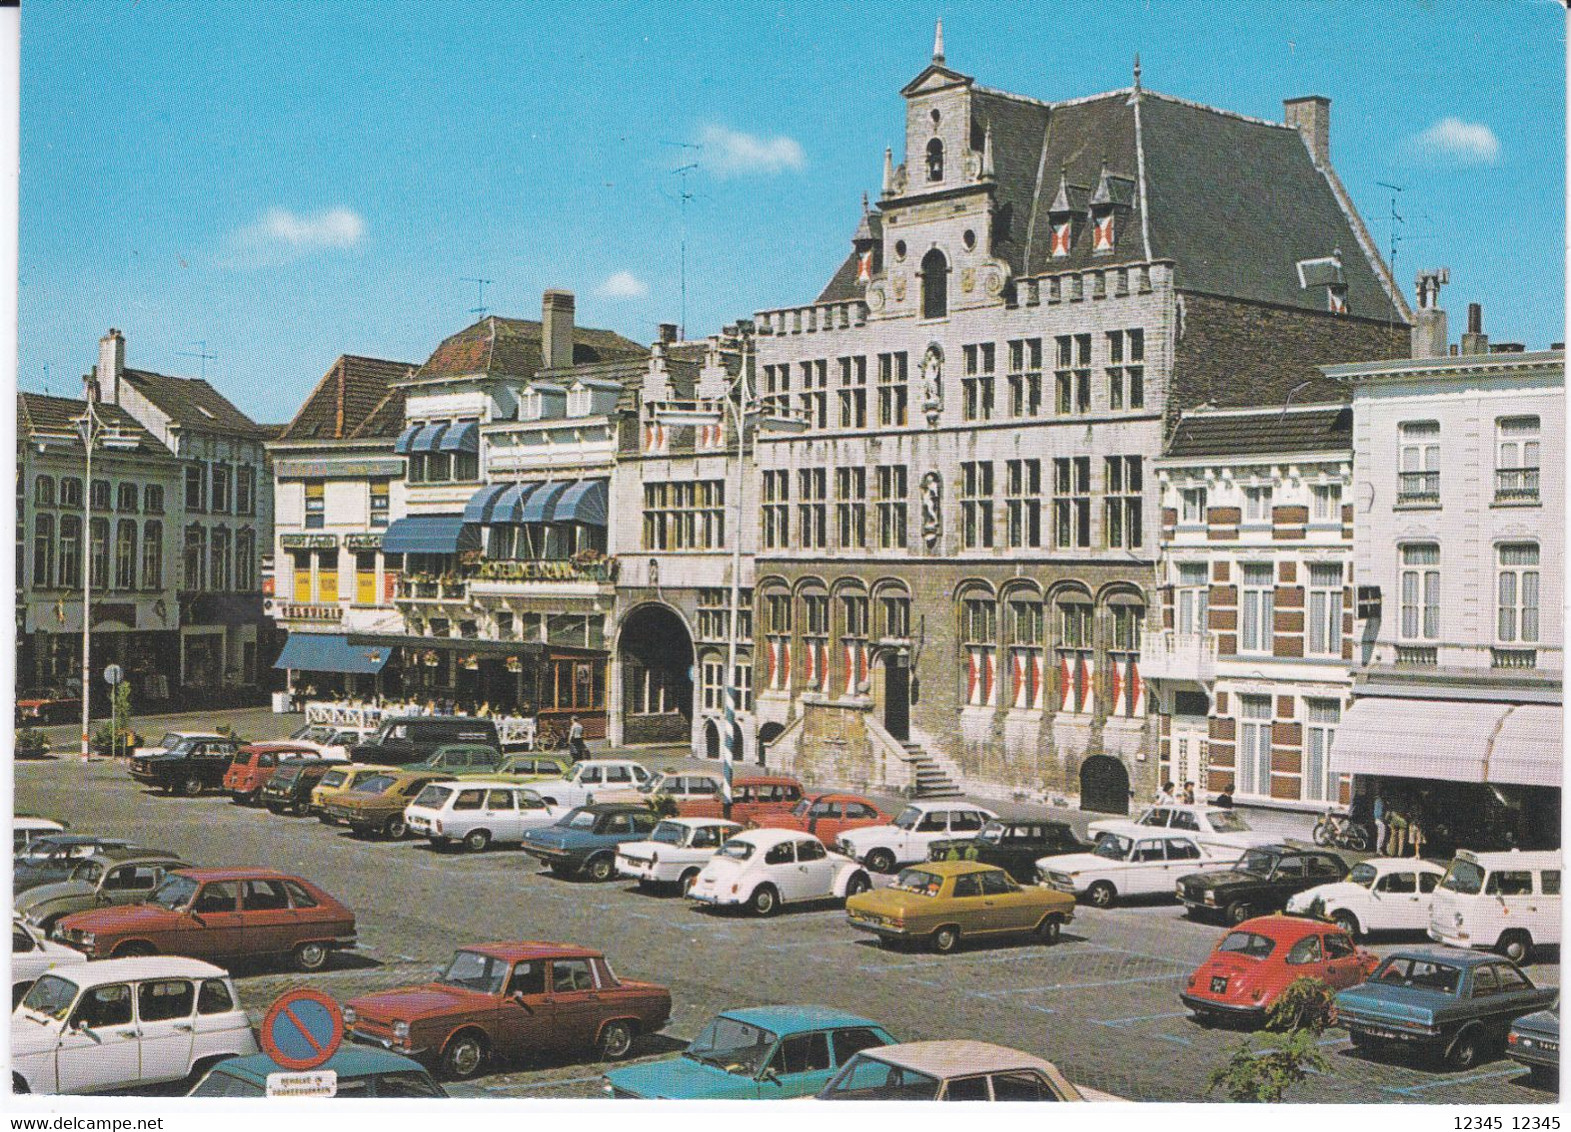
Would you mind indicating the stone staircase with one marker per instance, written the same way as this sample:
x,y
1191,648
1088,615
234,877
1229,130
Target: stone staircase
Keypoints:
x,y
929,779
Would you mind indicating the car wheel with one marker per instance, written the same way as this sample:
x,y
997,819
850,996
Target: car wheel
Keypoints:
x,y
135,949
858,884
1346,921
881,861
561,872
463,1056
324,819
191,787
311,956
765,901
1047,931
274,808
1515,945
616,1038
1364,1043
1467,1050
946,939
395,827
477,840
1237,912
601,868
1321,835
1101,895
688,879
1544,1077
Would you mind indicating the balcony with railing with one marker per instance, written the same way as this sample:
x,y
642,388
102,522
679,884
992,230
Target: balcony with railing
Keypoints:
x,y
1513,658
1418,487
426,587
1417,656
1516,485
1174,655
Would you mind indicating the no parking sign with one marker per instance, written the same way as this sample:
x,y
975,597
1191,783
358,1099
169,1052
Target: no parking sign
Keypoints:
x,y
302,1029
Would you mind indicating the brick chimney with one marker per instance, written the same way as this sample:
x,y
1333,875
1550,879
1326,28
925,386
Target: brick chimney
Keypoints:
x,y
1311,117
556,329
1475,341
1429,335
111,363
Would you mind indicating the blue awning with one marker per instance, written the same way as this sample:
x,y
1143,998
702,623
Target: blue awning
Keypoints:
x,y
426,439
510,507
483,503
331,652
430,534
461,437
405,439
538,507
584,502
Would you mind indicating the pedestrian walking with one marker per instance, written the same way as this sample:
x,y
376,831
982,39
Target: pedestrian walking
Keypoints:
x,y
1378,812
1224,800
1165,796
575,740
1189,793
1398,823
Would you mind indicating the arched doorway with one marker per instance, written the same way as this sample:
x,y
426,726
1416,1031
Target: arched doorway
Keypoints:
x,y
891,679
1104,785
656,655
767,734
711,740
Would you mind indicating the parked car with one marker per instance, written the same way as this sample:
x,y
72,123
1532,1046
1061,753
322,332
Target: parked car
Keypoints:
x,y
1509,902
1256,961
45,704
827,816
1222,832
377,804
1120,866
1261,881
586,840
1013,844
220,914
107,1026
121,874
172,739
942,902
190,766
675,852
533,767
1534,1041
288,789
761,869
882,848
477,812
331,741
49,860
952,1071
412,739
359,1073
1383,894
26,829
336,780
497,1001
758,799
694,795
763,1052
462,758
1458,1004
33,953
255,763
591,778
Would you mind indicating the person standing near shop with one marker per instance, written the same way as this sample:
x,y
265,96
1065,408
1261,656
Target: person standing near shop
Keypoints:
x,y
575,740
1378,812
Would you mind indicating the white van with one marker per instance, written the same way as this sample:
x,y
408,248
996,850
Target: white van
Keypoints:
x,y
1507,902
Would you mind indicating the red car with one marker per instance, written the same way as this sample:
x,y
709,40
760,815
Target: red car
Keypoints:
x,y
254,764
827,816
758,799
219,915
1257,960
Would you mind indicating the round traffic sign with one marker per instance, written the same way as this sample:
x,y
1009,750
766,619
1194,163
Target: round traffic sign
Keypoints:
x,y
113,675
302,1029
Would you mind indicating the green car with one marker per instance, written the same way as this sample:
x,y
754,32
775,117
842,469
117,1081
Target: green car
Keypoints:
x,y
458,759
121,874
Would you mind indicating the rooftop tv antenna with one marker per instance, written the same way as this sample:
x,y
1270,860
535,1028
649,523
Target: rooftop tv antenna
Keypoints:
x,y
479,309
683,196
1396,239
199,352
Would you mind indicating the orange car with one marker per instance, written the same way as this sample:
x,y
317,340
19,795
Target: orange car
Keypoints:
x,y
255,763
827,816
762,799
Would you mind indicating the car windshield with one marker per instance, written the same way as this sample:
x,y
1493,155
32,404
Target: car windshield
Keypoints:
x,y
1227,821
1252,944
373,785
334,778
183,747
1153,817
737,849
1464,877
868,1079
919,881
1256,863
1363,875
734,1046
287,773
1425,974
909,817
88,872
170,739
220,1084
51,995
580,819
993,831
39,851
471,970
433,797
175,892
669,833
1112,846
801,809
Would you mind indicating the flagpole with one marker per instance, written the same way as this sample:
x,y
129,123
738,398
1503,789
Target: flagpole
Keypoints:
x,y
734,618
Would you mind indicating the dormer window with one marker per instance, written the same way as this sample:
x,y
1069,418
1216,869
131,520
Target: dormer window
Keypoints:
x,y
1102,232
1062,233
531,406
578,401
1336,298
935,160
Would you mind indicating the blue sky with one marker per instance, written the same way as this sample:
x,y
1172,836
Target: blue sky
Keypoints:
x,y
293,182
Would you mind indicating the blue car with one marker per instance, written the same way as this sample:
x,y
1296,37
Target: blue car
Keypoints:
x,y
362,1072
1534,1041
1441,1000
760,1053
585,840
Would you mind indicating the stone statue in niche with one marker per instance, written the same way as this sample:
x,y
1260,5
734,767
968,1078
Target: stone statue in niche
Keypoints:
x,y
932,509
933,384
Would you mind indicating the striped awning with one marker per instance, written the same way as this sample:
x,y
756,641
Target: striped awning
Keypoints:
x,y
428,437
1451,740
430,534
509,506
584,502
330,652
405,439
461,437
541,504
482,504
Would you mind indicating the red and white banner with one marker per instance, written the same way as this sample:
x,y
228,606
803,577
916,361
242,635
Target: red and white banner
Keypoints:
x,y
1038,681
864,267
809,665
710,436
1066,684
1061,240
991,699
1138,689
972,681
1022,691
774,663
1087,686
656,437
1102,234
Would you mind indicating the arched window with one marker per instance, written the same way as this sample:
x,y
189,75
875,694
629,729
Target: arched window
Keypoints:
x,y
44,491
153,555
43,551
125,555
935,285
1072,615
979,646
935,160
70,551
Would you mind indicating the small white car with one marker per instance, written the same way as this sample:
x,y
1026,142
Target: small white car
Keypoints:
x,y
25,831
884,848
765,868
1120,865
594,777
331,742
1507,901
120,1023
1382,894
675,852
173,739
1217,828
478,812
32,953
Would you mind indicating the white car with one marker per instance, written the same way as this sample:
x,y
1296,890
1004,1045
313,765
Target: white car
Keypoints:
x,y
25,831
1507,901
330,742
120,1023
675,852
593,777
1215,827
478,812
884,848
173,739
1382,894
765,868
1120,865
32,953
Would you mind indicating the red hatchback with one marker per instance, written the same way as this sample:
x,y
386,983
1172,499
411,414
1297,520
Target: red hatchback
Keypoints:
x,y
1258,959
254,764
827,816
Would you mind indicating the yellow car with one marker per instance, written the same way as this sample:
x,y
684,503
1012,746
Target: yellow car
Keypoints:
x,y
376,804
336,781
942,901
524,769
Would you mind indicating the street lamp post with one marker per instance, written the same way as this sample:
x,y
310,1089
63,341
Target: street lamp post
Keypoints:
x,y
91,429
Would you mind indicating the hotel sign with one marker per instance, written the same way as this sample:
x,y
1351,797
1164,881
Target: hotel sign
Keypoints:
x,y
371,541
308,542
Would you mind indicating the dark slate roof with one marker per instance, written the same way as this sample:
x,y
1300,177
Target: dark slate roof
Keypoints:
x,y
38,412
192,403
345,397
1327,428
511,347
842,286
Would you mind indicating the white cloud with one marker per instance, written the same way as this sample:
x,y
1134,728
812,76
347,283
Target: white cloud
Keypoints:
x,y
733,153
279,235
1471,143
623,285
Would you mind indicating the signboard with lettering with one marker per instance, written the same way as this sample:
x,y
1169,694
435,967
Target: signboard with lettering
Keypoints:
x,y
308,542
371,541
312,1083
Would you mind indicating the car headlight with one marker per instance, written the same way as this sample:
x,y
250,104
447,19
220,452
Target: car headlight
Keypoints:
x,y
1456,919
606,1087
1211,899
89,939
401,1031
349,1015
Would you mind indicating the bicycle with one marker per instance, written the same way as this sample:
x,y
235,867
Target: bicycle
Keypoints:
x,y
1339,831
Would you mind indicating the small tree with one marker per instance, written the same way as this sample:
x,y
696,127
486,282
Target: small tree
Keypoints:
x,y
120,715
1290,1049
663,805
